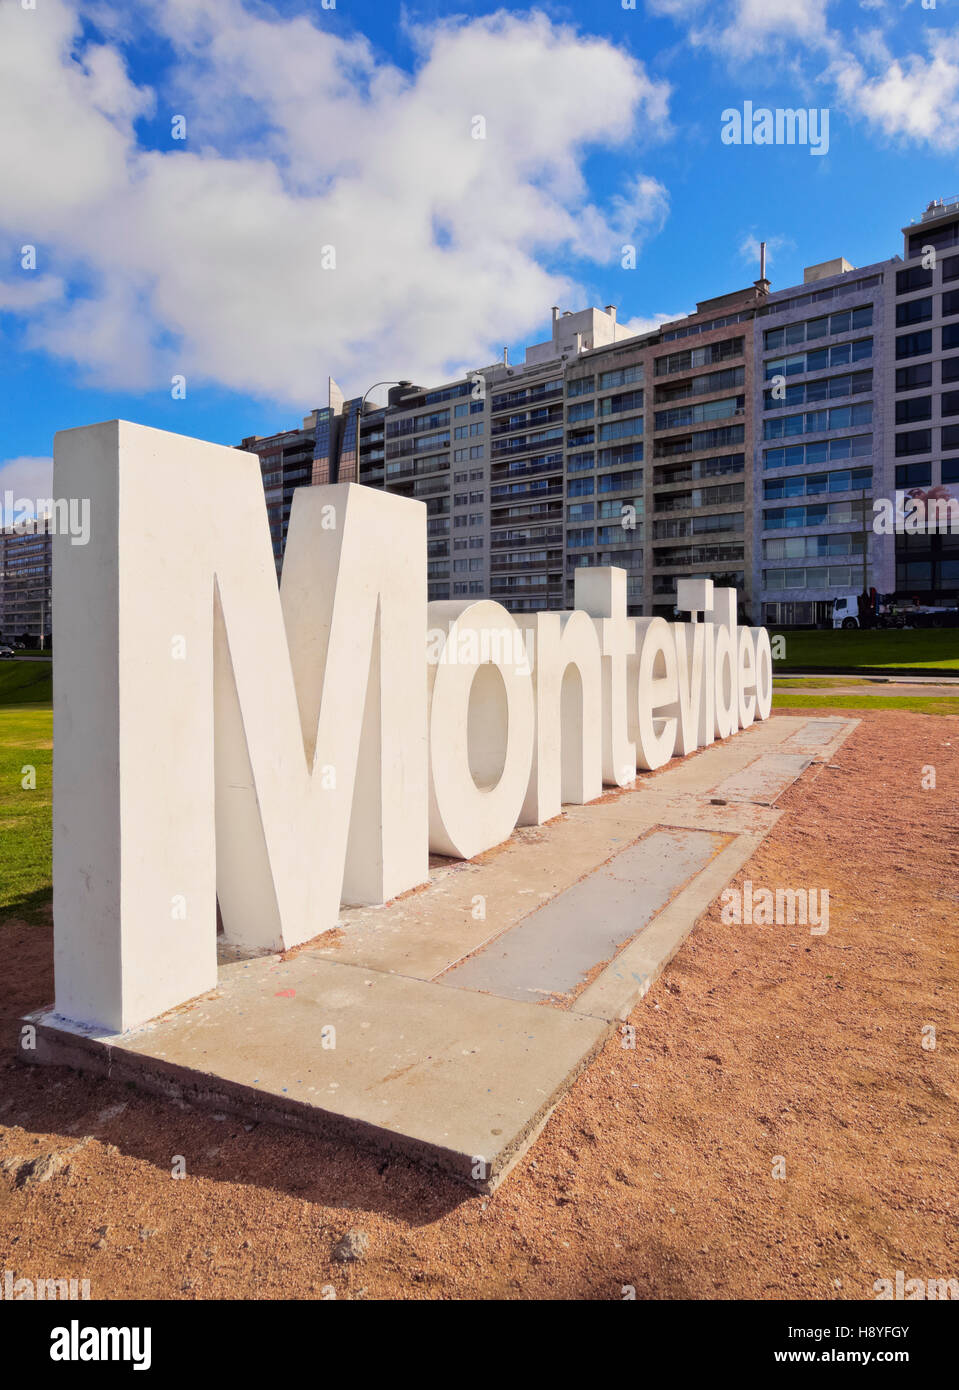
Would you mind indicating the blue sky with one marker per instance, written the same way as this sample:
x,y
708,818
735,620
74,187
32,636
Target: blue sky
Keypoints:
x,y
350,131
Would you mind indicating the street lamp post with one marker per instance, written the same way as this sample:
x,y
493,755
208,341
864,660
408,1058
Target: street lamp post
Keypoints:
x,y
359,418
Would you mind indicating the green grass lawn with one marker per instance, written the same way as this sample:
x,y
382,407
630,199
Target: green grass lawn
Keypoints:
x,y
26,682
26,741
914,704
933,649
821,682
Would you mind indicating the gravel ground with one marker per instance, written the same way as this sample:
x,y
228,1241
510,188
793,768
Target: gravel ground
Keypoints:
x,y
762,1049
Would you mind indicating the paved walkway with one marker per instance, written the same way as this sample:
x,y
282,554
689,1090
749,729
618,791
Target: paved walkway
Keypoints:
x,y
449,1023
917,688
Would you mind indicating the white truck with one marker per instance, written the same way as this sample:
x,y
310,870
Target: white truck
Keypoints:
x,y
897,613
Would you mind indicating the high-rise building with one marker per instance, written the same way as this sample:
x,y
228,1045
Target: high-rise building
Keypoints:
x,y
922,379
746,442
26,552
820,351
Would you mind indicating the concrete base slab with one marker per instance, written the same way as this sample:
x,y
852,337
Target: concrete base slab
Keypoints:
x,y
764,780
453,1077
551,952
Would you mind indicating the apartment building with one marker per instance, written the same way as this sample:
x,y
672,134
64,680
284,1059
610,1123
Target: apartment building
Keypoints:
x,y
701,449
922,379
820,352
745,443
286,462
530,470
26,554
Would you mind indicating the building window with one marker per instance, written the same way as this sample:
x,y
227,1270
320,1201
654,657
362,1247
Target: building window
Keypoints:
x,y
913,311
916,277
913,442
914,475
583,537
580,386
914,344
580,487
913,408
915,377
625,376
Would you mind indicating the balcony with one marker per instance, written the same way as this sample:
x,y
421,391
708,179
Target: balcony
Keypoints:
x,y
502,494
525,399
535,467
550,535
529,517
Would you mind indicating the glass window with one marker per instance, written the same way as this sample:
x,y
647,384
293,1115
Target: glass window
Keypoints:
x,y
913,311
916,344
914,475
577,463
913,442
580,386
580,537
915,278
913,408
915,377
580,511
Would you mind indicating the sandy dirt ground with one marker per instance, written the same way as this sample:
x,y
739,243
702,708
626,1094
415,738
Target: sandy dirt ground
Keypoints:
x,y
760,1045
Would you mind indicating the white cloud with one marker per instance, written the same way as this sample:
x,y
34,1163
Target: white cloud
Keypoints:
x,y
749,27
27,479
206,258
650,325
17,296
906,95
913,98
749,248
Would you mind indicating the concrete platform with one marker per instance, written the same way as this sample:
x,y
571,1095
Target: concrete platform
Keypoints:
x,y
550,953
439,1052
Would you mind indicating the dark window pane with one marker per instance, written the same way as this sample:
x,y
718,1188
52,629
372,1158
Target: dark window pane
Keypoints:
x,y
913,408
915,278
914,475
916,344
913,311
912,378
913,442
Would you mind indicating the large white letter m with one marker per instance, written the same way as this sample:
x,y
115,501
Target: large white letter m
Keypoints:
x,y
216,736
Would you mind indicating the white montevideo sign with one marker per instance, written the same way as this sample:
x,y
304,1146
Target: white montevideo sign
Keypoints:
x,y
288,749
